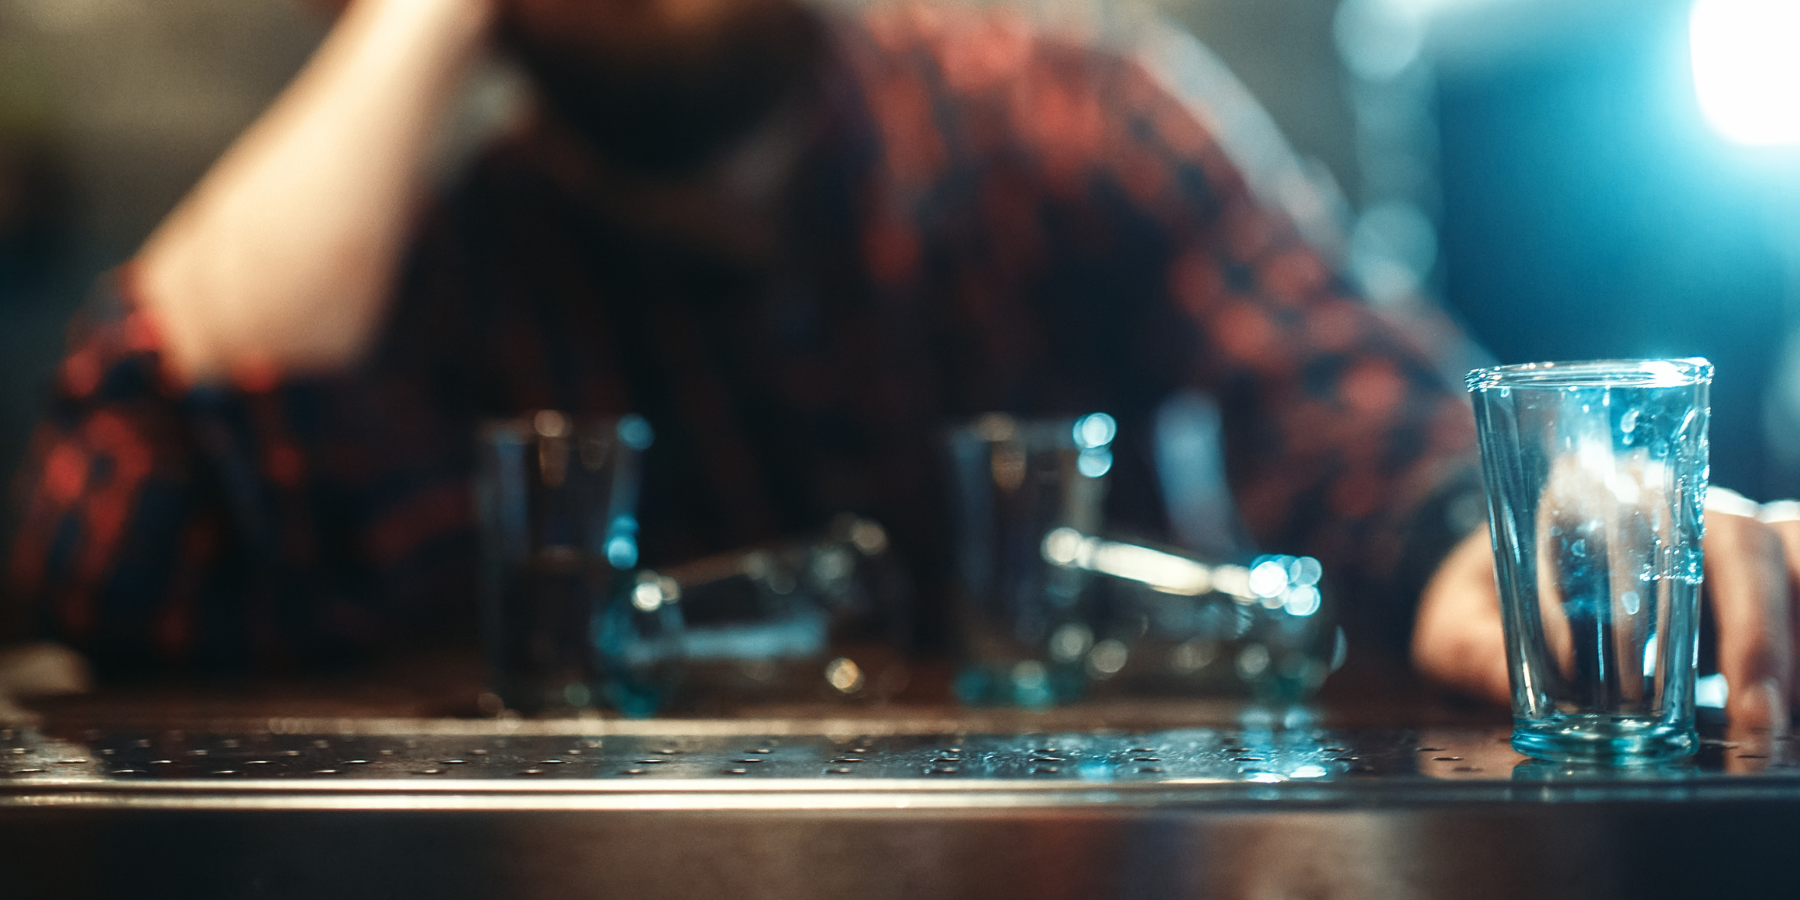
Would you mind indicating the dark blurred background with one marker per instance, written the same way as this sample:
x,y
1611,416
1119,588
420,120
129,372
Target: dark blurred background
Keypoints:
x,y
1541,168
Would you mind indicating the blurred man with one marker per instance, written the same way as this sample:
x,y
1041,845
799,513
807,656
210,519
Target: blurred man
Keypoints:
x,y
799,243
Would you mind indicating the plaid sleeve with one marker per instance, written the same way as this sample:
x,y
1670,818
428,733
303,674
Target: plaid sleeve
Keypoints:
x,y
159,525
1105,208
1345,439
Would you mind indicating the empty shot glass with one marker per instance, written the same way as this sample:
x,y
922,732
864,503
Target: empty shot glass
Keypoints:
x,y
556,496
1596,477
1024,624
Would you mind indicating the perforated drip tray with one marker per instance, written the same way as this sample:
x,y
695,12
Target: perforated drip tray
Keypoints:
x,y
444,762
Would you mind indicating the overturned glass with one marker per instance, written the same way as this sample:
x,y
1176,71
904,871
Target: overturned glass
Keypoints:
x,y
1048,611
807,620
1168,623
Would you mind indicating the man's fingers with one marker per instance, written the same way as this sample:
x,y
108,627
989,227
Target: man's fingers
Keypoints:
x,y
1748,582
1787,531
1458,639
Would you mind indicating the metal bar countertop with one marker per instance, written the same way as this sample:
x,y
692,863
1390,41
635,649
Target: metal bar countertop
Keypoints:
x,y
326,793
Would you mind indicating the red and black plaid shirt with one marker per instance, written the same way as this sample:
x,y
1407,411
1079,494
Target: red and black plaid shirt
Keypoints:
x,y
988,219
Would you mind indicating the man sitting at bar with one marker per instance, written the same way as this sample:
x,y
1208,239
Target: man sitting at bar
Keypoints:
x,y
800,243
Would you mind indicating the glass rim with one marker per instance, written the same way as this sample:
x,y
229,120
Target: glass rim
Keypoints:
x,y
1035,431
629,429
1684,372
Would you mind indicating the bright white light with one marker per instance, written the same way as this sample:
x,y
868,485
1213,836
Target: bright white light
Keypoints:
x,y
1747,68
1061,546
1268,578
1302,601
1305,571
1095,430
1094,463
1711,692
647,596
1165,572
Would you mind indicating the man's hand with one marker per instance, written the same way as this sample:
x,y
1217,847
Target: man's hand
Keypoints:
x,y
37,670
1752,582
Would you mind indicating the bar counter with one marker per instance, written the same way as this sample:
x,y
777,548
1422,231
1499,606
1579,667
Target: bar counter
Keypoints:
x,y
150,792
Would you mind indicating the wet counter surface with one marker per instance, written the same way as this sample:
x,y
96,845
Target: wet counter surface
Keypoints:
x,y
1265,761
959,805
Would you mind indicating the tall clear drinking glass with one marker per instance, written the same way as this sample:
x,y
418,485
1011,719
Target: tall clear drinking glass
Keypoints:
x,y
1596,477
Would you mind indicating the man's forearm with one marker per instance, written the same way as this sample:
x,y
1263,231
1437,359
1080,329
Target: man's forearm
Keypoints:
x,y
285,252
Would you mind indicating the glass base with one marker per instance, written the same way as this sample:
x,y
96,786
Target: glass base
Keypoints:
x,y
1605,740
1029,684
